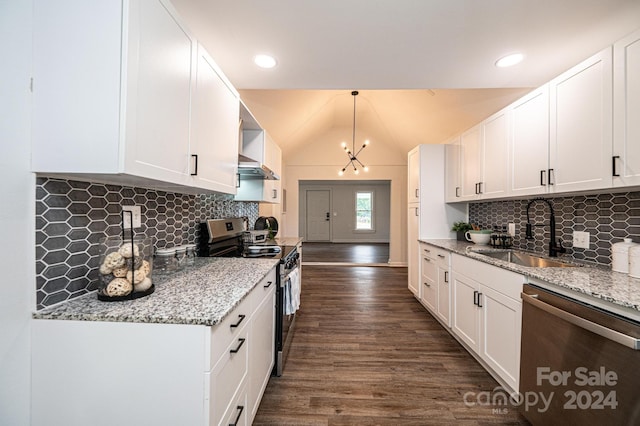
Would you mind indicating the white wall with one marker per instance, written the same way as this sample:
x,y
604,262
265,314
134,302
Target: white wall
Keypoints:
x,y
17,223
321,159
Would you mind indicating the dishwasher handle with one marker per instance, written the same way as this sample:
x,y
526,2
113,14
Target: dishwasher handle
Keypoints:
x,y
607,333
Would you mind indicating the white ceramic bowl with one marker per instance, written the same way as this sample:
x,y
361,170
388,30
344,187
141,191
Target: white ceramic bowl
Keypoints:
x,y
480,238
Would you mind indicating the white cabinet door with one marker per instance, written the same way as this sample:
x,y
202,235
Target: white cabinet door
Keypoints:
x,y
413,180
452,171
413,253
626,108
501,325
470,156
495,158
216,109
529,150
581,133
466,317
261,348
160,55
444,295
429,284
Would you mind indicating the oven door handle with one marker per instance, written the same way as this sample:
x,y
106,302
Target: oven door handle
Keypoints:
x,y
607,333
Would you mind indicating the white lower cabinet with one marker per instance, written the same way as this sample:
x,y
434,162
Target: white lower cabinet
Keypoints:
x,y
413,261
435,291
487,315
159,374
262,349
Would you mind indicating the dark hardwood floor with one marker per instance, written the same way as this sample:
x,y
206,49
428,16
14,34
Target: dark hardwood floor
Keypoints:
x,y
345,252
365,352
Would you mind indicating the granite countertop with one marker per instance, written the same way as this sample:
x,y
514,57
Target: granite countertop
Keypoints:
x,y
595,281
203,295
288,241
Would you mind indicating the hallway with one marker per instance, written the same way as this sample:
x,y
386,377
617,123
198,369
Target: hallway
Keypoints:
x,y
366,352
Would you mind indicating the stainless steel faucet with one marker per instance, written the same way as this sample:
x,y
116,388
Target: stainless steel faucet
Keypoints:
x,y
555,247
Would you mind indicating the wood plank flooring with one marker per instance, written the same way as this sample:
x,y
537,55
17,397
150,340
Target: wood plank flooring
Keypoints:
x,y
366,352
345,252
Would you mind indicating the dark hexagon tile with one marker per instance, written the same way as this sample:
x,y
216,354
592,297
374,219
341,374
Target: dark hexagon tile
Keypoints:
x,y
55,285
55,271
78,284
79,195
77,259
57,201
79,208
52,299
78,246
113,197
78,234
56,215
56,229
79,221
77,272
98,202
127,192
55,243
40,237
59,187
97,190
41,207
56,256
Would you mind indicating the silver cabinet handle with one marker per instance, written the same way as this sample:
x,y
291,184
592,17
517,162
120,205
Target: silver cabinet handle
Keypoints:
x,y
607,333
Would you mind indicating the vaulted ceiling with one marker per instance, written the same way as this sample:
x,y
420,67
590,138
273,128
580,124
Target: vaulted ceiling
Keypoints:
x,y
425,68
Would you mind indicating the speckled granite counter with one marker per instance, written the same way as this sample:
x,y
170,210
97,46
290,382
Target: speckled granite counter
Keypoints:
x,y
203,294
288,241
597,282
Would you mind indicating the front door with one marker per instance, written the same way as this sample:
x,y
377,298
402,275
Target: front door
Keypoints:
x,y
318,215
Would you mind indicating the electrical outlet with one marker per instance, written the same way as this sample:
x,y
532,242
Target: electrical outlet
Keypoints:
x,y
512,229
136,216
581,239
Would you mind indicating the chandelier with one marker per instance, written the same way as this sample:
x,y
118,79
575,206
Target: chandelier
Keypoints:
x,y
351,153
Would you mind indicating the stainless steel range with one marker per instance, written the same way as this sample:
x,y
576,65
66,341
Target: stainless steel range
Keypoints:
x,y
228,238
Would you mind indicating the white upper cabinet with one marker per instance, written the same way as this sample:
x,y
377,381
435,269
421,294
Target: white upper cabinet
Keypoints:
x,y
215,128
529,143
413,164
581,133
452,170
114,87
626,131
494,182
470,164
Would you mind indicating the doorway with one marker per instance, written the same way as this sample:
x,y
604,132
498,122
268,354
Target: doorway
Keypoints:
x,y
345,222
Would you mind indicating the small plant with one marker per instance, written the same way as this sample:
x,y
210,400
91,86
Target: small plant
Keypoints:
x,y
461,227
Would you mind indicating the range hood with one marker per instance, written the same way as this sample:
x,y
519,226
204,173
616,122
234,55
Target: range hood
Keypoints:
x,y
252,169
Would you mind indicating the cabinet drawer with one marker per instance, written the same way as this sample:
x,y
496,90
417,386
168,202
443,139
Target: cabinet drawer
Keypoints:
x,y
228,376
263,289
238,413
506,282
229,329
440,256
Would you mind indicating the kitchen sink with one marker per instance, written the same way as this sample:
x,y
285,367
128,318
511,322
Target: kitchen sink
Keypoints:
x,y
525,259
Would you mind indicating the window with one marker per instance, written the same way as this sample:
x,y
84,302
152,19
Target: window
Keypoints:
x,y
364,210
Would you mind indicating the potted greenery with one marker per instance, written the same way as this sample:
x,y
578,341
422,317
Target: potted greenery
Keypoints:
x,y
460,228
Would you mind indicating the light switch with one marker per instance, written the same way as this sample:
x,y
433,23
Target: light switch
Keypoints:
x,y
136,217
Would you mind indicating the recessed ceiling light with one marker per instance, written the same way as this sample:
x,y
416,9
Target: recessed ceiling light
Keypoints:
x,y
509,60
264,61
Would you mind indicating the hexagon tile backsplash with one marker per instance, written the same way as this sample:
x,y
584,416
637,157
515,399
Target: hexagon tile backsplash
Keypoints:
x,y
607,217
72,217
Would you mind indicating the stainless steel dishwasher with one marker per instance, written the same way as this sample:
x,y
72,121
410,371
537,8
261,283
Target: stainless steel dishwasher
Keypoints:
x,y
580,365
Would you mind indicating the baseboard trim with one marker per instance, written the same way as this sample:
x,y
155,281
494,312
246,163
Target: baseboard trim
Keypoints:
x,y
387,265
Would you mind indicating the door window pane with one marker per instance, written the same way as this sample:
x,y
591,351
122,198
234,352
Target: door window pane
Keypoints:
x,y
364,210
